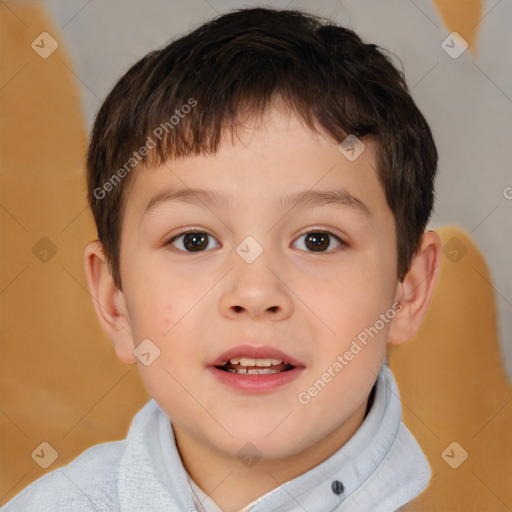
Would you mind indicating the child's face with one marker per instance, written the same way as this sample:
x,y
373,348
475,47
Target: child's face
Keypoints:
x,y
311,305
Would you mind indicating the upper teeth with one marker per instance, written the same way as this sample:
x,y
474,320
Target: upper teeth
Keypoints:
x,y
247,361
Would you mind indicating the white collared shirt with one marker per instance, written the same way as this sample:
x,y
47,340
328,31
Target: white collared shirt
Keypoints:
x,y
380,468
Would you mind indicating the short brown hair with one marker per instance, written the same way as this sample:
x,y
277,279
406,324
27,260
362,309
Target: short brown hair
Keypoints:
x,y
242,61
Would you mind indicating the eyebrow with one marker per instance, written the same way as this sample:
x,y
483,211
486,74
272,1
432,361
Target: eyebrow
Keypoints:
x,y
302,199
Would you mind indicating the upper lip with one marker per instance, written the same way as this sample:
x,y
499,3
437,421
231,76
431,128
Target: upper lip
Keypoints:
x,y
255,352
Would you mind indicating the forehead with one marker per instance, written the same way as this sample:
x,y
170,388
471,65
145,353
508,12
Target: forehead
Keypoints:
x,y
278,162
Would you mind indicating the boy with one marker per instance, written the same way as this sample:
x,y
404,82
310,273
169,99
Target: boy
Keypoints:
x,y
261,189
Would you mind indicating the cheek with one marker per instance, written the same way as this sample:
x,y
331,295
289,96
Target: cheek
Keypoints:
x,y
348,299
347,310
158,299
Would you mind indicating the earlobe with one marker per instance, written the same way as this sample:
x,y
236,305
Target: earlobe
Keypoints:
x,y
109,302
416,290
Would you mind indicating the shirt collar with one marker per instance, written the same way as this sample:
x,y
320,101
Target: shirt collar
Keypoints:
x,y
380,468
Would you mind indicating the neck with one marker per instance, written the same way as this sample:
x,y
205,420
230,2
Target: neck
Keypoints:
x,y
233,486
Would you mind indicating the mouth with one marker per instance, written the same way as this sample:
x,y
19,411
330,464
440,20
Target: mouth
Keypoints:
x,y
250,366
255,369
248,377
247,359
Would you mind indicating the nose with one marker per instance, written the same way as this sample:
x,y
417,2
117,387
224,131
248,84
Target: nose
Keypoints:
x,y
256,290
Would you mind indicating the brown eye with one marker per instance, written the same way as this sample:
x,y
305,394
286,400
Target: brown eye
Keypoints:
x,y
319,241
193,241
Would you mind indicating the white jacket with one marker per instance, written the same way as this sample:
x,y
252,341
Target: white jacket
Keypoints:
x,y
380,468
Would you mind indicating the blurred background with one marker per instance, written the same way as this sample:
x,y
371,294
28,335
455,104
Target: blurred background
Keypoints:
x,y
59,60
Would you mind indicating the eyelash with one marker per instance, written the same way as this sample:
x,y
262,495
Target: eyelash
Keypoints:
x,y
342,243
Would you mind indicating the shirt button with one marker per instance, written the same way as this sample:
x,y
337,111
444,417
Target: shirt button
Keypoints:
x,y
337,487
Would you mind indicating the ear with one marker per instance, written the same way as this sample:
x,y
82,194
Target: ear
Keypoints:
x,y
415,292
109,302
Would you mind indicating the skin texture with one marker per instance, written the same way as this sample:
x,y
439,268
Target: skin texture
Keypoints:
x,y
311,304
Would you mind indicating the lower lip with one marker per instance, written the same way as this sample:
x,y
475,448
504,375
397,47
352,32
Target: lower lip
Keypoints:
x,y
254,383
